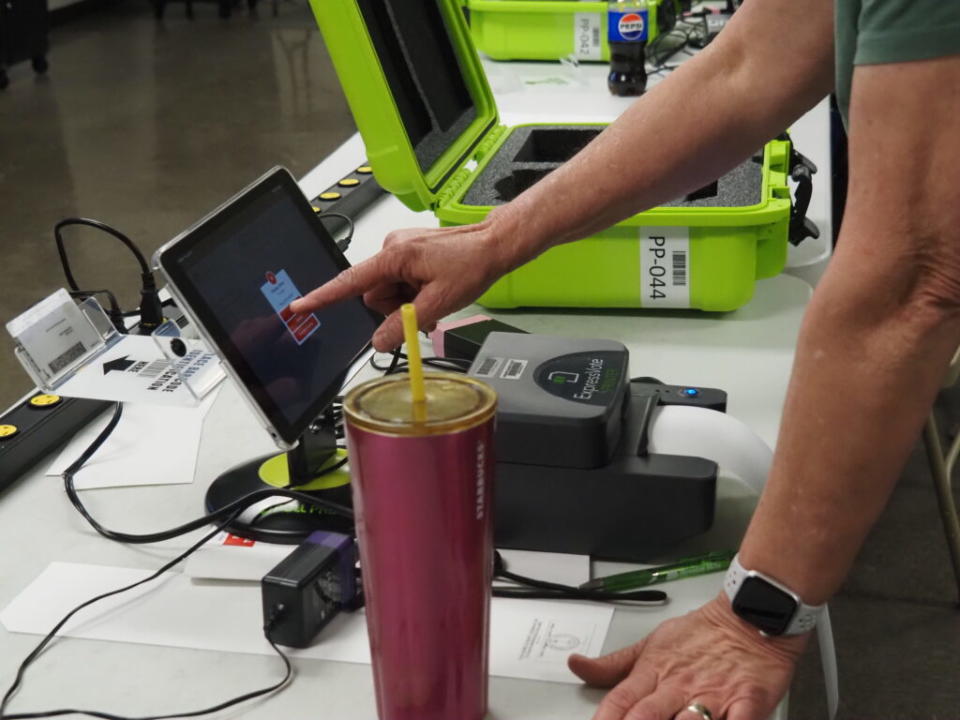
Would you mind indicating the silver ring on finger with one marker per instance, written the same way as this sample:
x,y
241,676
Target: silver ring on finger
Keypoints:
x,y
699,710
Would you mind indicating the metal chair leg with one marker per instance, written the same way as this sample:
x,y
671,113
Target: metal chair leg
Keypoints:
x,y
941,483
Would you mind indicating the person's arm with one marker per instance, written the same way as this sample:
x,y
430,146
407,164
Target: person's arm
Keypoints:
x,y
874,347
771,63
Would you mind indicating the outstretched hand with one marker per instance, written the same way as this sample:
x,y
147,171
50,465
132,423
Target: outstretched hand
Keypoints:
x,y
439,270
708,657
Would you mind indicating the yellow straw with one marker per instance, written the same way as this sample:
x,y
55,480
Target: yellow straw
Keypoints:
x,y
409,315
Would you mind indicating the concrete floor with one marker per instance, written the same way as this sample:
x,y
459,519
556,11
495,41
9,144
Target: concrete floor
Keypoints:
x,y
147,125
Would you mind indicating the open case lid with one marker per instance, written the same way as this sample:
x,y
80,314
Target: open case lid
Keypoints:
x,y
415,86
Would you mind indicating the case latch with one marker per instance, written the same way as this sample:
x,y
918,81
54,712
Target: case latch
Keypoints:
x,y
802,169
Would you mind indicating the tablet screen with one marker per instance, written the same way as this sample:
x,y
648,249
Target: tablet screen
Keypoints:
x,y
240,269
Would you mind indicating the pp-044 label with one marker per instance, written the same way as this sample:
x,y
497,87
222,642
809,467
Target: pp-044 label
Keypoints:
x,y
586,36
665,267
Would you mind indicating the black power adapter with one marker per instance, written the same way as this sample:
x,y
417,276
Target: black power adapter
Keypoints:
x,y
309,588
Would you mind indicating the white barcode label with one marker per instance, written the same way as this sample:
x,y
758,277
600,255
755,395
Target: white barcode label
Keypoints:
x,y
586,35
513,369
154,369
65,358
488,367
665,267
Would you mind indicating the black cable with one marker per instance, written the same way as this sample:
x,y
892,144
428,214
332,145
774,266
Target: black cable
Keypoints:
x,y
395,356
324,471
461,365
542,589
151,313
344,242
236,506
38,650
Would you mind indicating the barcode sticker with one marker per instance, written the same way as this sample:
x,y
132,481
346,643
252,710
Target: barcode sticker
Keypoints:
x,y
679,259
513,369
154,369
586,36
66,357
665,267
488,367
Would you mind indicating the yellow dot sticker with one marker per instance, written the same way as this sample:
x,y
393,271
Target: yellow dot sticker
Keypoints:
x,y
8,431
365,170
316,210
330,196
348,182
44,401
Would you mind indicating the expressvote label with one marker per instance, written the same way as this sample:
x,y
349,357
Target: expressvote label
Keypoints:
x,y
280,291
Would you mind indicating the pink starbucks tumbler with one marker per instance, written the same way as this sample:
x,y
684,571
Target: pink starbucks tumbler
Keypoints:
x,y
423,499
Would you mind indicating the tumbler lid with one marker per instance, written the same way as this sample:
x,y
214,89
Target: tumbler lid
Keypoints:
x,y
454,403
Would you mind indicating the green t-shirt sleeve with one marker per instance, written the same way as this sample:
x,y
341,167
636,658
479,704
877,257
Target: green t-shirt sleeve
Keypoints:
x,y
905,30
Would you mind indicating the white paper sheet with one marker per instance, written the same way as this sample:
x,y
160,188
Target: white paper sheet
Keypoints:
x,y
529,638
174,432
230,558
133,370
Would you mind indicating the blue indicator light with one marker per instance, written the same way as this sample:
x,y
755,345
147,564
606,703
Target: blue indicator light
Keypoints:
x,y
690,392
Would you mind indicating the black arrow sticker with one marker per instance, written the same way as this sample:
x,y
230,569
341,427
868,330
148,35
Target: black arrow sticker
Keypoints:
x,y
120,364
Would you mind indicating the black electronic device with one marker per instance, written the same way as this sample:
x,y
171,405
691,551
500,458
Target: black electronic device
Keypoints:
x,y
462,339
574,473
33,428
311,585
235,274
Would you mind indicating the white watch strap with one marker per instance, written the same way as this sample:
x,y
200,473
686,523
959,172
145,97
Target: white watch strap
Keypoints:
x,y
805,617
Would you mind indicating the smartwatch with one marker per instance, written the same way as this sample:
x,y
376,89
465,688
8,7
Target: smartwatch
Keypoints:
x,y
768,605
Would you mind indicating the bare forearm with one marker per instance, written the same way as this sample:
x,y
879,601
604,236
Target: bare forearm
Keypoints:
x,y
863,380
878,335
703,119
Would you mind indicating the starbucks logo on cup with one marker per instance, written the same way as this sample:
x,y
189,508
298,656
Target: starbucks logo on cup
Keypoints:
x,y
631,26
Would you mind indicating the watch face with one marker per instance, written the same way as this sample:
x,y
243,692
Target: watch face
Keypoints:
x,y
764,605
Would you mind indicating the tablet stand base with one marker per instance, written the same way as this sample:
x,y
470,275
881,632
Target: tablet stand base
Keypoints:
x,y
307,468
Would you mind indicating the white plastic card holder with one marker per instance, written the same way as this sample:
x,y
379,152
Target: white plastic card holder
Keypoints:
x,y
196,366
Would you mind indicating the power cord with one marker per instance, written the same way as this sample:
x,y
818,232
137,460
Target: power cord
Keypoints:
x,y
344,242
543,590
151,313
38,650
229,510
458,365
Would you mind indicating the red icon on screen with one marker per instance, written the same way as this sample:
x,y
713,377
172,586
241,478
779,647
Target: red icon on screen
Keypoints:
x,y
271,278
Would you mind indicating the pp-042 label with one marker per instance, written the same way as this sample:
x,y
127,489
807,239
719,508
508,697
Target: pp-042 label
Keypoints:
x,y
665,267
586,36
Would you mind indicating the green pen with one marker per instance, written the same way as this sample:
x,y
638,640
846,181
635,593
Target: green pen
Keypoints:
x,y
688,567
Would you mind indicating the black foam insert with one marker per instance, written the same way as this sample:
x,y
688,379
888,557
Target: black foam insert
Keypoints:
x,y
423,71
531,153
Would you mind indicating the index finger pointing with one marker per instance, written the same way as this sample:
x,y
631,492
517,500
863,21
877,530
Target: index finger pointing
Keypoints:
x,y
353,281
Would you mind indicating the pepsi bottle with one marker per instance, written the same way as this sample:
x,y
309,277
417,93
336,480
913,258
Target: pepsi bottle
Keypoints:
x,y
627,31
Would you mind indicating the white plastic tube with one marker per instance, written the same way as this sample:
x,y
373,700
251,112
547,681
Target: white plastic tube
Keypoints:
x,y
740,453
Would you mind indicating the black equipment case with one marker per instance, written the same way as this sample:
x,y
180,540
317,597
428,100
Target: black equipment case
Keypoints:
x,y
23,35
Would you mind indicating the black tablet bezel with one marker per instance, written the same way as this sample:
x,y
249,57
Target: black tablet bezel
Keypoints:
x,y
170,259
